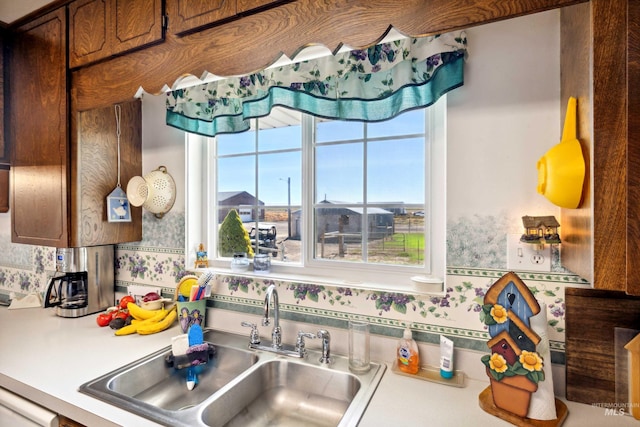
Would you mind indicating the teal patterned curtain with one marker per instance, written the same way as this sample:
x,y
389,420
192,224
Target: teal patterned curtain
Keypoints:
x,y
366,85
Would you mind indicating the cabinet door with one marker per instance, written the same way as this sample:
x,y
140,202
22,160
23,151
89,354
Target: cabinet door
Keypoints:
x,y
248,5
88,31
136,23
99,29
39,131
4,152
189,15
4,188
95,145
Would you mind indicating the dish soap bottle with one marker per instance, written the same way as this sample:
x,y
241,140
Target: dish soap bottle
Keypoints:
x,y
408,356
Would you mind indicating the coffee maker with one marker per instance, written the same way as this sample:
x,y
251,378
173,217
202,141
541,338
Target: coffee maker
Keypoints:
x,y
84,281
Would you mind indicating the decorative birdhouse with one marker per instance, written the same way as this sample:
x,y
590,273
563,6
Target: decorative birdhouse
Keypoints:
x,y
510,293
118,208
516,367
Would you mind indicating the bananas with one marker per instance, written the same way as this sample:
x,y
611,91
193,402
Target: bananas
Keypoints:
x,y
153,327
140,313
148,321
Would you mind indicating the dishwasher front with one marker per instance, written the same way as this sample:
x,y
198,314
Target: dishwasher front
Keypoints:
x,y
16,411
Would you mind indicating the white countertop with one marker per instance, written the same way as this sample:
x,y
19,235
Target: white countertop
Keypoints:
x,y
45,359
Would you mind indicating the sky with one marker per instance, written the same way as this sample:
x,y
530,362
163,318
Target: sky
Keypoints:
x,y
395,165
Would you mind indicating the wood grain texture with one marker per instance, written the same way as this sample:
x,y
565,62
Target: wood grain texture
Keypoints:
x,y
95,148
4,188
99,29
39,132
610,148
591,318
575,80
633,157
189,15
136,23
244,6
595,236
4,151
255,41
88,43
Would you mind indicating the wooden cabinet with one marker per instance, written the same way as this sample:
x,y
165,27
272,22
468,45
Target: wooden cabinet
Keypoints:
x,y
601,240
243,6
4,188
190,15
59,184
68,422
99,29
94,150
4,151
39,131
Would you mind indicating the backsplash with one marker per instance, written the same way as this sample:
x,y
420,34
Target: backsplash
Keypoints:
x,y
491,184
158,260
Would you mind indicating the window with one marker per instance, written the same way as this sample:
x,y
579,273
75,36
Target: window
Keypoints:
x,y
337,200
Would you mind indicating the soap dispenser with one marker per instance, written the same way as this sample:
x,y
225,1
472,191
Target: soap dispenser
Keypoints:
x,y
407,354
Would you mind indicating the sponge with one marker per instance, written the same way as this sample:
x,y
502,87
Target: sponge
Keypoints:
x,y
180,345
195,335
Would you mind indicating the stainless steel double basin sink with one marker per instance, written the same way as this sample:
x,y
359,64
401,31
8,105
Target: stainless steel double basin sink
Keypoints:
x,y
241,387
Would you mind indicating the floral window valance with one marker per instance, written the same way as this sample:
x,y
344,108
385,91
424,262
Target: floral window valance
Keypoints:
x,y
366,85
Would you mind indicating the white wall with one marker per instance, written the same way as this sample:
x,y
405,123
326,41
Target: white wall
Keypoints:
x,y
162,145
504,118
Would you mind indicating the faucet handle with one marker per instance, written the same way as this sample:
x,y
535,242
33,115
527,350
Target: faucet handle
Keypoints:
x,y
325,336
254,335
300,345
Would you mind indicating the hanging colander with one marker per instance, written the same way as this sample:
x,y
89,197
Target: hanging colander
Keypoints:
x,y
155,192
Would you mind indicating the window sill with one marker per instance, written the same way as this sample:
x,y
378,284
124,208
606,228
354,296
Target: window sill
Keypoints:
x,y
420,285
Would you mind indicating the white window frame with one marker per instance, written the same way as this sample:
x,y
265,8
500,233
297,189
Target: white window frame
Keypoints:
x,y
201,222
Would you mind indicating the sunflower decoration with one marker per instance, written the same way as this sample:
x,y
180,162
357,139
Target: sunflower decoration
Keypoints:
x,y
528,364
493,314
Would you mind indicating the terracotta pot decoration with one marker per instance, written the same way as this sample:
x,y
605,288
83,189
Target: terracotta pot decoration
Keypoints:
x,y
513,394
515,366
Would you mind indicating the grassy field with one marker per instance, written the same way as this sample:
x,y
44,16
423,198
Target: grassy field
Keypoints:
x,y
408,245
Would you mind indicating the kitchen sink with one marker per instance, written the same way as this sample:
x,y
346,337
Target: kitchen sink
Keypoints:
x,y
151,386
284,392
240,387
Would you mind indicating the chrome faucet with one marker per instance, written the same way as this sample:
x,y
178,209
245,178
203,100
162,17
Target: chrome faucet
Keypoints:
x,y
276,334
276,345
326,346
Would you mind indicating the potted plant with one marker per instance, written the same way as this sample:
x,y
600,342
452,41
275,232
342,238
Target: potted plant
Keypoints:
x,y
233,237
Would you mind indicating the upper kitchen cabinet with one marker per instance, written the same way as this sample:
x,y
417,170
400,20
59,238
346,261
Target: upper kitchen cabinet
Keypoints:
x,y
4,151
60,184
190,15
99,29
244,6
94,145
600,60
38,131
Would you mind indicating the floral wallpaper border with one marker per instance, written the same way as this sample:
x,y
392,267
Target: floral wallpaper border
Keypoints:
x,y
455,314
159,260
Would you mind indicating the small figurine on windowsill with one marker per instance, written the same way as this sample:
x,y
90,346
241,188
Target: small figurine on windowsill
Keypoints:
x,y
201,258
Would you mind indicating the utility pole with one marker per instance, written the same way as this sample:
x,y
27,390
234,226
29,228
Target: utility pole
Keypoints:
x,y
288,204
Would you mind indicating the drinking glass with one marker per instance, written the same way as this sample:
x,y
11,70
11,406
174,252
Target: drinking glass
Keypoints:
x,y
359,359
